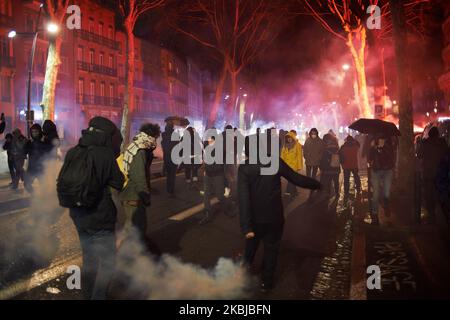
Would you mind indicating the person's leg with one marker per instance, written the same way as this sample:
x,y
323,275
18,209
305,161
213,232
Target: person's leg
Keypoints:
x,y
12,171
90,261
335,178
251,246
291,189
308,171
104,249
376,179
325,180
127,224
171,170
140,221
188,172
272,240
357,180
208,187
315,170
346,182
195,172
219,189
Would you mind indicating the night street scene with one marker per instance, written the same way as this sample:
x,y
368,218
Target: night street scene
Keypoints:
x,y
225,150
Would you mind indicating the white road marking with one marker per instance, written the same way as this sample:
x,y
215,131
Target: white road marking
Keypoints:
x,y
191,211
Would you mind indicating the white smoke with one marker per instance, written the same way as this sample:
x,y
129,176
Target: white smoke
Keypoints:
x,y
170,278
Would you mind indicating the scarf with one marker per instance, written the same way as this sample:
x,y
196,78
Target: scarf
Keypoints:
x,y
140,141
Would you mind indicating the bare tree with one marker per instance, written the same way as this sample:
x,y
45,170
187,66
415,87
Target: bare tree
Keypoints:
x,y
236,30
350,25
56,9
130,11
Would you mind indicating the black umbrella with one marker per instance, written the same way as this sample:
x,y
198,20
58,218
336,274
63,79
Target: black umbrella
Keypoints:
x,y
375,126
178,121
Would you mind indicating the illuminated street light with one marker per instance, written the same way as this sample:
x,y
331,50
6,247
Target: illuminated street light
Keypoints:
x,y
245,95
435,110
12,34
428,114
52,28
345,67
227,97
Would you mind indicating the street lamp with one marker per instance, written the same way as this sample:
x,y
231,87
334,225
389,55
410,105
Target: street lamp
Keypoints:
x,y
52,28
345,67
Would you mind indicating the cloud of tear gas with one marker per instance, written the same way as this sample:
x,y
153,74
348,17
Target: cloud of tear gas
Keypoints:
x,y
146,277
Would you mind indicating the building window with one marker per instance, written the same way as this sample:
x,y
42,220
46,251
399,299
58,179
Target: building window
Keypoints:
x,y
80,89
101,59
111,61
138,103
102,89
92,88
170,88
91,56
100,29
91,25
110,32
170,66
80,53
29,24
111,91
64,65
6,88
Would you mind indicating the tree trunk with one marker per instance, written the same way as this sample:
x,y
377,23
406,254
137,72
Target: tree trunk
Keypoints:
x,y
234,101
406,151
358,55
217,98
51,77
128,103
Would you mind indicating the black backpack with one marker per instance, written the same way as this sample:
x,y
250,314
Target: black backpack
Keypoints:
x,y
77,185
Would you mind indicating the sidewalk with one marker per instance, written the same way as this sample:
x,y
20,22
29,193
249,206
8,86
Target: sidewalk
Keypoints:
x,y
414,260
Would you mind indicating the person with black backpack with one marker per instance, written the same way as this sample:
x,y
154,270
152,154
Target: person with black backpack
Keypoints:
x,y
89,171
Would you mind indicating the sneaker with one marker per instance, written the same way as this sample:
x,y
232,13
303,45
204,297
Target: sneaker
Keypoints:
x,y
287,194
227,192
188,181
195,179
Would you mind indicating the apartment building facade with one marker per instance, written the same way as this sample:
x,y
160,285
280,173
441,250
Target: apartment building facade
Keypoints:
x,y
91,80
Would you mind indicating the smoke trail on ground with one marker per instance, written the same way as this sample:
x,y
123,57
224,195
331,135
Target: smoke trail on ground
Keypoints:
x,y
167,277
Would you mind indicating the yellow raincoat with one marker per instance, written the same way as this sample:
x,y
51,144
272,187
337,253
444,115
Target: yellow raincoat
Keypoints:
x,y
293,156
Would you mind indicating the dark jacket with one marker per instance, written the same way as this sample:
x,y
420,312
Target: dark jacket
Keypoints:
x,y
36,150
349,154
382,158
51,138
325,163
431,151
313,151
195,143
104,215
167,144
443,178
138,187
260,195
19,147
214,169
7,147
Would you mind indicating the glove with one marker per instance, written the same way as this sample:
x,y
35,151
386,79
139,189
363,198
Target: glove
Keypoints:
x,y
145,198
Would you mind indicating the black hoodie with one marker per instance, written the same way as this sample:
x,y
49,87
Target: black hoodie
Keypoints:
x,y
36,150
99,136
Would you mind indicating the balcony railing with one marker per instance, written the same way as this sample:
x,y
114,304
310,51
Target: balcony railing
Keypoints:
x,y
8,62
148,85
99,101
92,37
180,76
6,21
85,66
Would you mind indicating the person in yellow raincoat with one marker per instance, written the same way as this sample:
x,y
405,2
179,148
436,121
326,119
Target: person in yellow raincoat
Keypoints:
x,y
292,154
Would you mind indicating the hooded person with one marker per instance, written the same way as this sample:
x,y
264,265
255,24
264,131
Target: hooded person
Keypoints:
x,y
431,152
330,164
7,147
292,154
51,138
96,224
135,197
170,167
18,154
36,151
312,151
261,209
349,161
194,155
